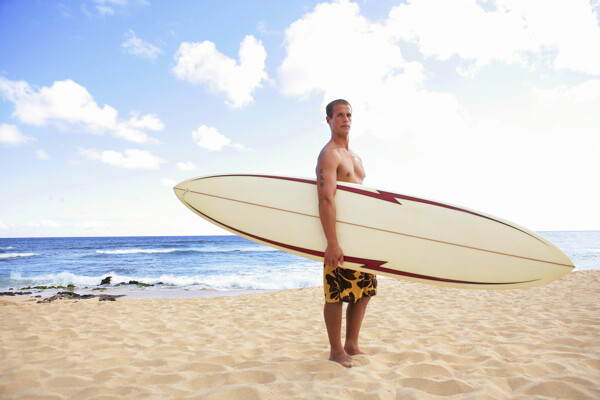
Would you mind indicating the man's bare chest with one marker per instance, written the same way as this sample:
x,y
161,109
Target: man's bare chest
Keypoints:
x,y
351,169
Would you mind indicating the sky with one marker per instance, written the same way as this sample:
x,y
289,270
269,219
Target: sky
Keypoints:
x,y
106,104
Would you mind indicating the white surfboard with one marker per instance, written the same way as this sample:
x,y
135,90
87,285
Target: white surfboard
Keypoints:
x,y
384,233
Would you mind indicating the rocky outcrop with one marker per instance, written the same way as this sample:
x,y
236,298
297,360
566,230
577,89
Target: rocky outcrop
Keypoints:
x,y
75,296
14,293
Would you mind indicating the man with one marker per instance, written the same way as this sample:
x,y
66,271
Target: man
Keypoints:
x,y
338,163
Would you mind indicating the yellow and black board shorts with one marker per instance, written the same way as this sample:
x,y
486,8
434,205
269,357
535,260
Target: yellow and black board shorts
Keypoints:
x,y
346,285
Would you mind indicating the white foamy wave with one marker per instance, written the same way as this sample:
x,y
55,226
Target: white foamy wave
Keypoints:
x,y
15,255
261,248
299,275
7,248
58,279
137,251
226,250
236,282
200,250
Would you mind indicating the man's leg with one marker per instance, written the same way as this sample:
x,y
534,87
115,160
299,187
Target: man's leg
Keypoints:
x,y
354,317
333,321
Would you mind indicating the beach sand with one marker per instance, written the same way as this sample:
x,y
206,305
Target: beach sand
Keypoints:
x,y
425,342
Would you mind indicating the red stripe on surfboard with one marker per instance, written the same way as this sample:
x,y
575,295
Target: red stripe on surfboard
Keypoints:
x,y
374,265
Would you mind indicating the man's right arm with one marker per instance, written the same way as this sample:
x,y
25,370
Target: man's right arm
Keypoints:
x,y
326,187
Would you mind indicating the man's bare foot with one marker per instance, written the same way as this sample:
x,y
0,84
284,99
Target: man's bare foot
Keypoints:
x,y
354,351
341,358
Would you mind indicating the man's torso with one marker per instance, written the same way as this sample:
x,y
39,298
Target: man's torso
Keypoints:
x,y
350,168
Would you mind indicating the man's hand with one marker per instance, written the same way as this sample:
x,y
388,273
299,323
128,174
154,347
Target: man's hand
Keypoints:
x,y
334,256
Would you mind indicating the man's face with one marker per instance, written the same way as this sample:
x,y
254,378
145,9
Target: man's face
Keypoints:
x,y
341,120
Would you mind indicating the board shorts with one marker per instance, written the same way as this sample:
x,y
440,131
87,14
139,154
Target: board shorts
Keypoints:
x,y
346,285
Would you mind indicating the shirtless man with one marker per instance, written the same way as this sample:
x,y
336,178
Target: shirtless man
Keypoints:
x,y
338,163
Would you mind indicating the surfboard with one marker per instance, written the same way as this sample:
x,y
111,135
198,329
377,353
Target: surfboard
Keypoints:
x,y
384,233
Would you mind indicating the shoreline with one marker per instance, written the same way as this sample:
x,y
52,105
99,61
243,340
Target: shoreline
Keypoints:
x,y
425,342
142,290
134,292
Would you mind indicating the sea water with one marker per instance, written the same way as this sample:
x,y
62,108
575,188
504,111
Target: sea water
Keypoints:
x,y
191,263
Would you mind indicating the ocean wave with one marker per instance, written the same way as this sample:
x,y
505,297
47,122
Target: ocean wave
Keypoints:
x,y
15,255
58,279
136,251
287,278
184,250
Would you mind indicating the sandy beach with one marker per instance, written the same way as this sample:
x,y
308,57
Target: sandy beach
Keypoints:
x,y
425,342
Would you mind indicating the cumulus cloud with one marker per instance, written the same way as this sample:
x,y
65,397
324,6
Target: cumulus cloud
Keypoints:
x,y
67,102
138,47
202,63
107,8
210,138
186,166
569,109
587,91
130,159
334,51
337,52
510,31
10,134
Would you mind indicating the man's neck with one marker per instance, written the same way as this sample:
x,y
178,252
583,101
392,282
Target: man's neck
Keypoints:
x,y
342,142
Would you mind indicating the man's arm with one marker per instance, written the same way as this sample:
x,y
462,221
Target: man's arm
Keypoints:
x,y
326,186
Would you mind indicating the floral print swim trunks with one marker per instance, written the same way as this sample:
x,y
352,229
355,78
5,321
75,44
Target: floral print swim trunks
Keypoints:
x,y
346,285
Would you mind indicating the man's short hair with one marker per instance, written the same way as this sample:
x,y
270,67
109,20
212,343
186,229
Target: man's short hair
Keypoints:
x,y
329,108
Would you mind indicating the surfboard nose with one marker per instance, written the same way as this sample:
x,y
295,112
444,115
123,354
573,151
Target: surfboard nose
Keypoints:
x,y
181,189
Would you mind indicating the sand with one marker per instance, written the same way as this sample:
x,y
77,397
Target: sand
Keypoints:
x,y
425,342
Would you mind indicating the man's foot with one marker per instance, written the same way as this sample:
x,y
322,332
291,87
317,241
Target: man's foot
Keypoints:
x,y
354,351
341,358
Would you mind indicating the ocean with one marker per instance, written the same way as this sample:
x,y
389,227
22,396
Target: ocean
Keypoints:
x,y
194,264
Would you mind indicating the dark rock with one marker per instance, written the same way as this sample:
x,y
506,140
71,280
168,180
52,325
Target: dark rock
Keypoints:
x,y
106,281
75,296
14,293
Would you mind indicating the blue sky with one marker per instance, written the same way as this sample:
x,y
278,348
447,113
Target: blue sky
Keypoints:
x,y
106,104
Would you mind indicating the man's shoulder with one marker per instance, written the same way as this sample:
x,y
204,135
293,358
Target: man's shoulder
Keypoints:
x,y
330,149
329,153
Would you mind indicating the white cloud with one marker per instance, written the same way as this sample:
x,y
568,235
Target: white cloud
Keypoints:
x,y
107,8
132,129
186,166
336,52
46,223
202,63
585,92
42,155
67,102
138,47
146,121
511,31
168,182
77,224
3,225
131,158
209,138
11,134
